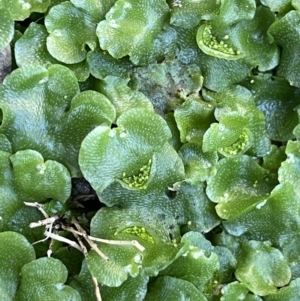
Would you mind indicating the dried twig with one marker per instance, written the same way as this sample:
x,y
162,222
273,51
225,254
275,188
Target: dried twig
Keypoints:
x,y
44,222
63,239
85,253
90,242
83,247
79,233
46,233
38,206
49,251
134,243
97,290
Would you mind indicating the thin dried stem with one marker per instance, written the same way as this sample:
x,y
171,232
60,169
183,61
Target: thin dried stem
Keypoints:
x,y
134,243
44,222
49,251
72,230
48,226
97,290
77,225
83,247
39,207
55,231
85,253
95,248
90,242
63,239
77,234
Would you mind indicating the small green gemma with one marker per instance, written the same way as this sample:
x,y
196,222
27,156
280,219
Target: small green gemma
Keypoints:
x,y
140,232
211,41
238,146
138,180
210,45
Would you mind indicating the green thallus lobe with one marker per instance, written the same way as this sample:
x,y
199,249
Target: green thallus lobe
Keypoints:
x,y
139,180
140,232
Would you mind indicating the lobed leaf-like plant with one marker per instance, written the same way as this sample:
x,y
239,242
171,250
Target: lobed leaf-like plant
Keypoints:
x,y
285,32
149,150
131,28
42,110
24,278
19,172
64,42
31,49
108,147
11,10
